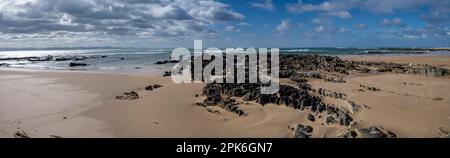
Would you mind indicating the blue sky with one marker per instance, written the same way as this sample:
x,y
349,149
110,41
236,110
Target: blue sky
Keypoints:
x,y
225,23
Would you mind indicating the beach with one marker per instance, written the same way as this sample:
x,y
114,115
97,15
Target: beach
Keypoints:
x,y
53,103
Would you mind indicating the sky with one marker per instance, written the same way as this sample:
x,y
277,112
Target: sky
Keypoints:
x,y
224,23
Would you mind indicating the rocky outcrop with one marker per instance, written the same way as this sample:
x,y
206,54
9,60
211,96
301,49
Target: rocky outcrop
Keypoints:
x,y
427,70
314,63
214,98
331,94
338,116
300,97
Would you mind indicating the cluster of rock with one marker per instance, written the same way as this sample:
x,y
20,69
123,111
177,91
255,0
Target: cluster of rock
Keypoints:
x,y
128,96
368,132
427,70
132,95
303,131
314,63
152,87
369,88
214,98
332,94
332,69
300,97
54,58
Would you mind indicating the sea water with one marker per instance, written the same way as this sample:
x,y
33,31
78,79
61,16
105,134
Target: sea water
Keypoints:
x,y
144,59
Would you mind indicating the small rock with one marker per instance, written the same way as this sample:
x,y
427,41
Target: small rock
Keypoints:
x,y
22,134
167,74
311,117
55,136
149,88
156,86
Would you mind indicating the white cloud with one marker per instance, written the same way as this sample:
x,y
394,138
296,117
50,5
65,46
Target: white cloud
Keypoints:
x,y
361,26
267,5
320,29
283,26
340,14
332,9
392,22
142,18
232,29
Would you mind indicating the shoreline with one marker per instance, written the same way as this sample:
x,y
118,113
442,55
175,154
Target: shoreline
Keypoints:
x,y
82,104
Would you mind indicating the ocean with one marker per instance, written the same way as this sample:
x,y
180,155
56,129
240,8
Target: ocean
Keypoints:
x,y
140,59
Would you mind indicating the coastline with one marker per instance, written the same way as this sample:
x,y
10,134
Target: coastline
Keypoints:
x,y
83,104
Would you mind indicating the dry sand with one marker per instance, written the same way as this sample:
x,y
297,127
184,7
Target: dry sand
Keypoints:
x,y
82,104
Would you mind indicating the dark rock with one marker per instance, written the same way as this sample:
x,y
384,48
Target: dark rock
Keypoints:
x,y
338,116
443,133
370,88
311,117
365,70
369,132
22,134
156,86
375,132
332,94
213,98
78,64
303,131
149,88
167,74
301,135
55,136
354,107
166,61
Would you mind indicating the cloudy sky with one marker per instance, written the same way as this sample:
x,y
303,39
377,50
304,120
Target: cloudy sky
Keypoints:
x,y
225,23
